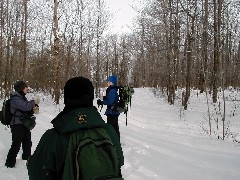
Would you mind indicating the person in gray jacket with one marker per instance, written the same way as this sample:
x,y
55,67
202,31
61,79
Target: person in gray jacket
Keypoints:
x,y
20,134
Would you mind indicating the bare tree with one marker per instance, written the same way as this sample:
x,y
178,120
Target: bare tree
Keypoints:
x,y
204,62
1,47
98,48
216,51
25,39
56,53
9,31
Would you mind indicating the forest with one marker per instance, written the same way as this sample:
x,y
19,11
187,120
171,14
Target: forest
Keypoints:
x,y
187,44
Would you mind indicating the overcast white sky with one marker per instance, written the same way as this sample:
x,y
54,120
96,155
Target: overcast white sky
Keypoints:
x,y
123,14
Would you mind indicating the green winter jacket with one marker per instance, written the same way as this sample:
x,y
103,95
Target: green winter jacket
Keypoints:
x,y
47,162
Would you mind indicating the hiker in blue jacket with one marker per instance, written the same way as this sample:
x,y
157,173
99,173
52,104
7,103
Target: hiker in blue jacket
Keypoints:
x,y
20,134
110,100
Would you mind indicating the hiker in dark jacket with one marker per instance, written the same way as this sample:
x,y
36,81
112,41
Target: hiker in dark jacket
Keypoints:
x,y
20,134
79,114
110,100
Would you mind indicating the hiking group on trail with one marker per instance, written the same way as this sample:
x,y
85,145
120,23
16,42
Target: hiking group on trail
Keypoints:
x,y
81,145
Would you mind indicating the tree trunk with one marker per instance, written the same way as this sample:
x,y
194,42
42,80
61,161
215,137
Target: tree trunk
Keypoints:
x,y
25,40
202,80
189,52
216,51
1,49
56,54
189,68
97,51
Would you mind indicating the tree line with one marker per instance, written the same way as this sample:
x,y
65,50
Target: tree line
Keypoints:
x,y
173,44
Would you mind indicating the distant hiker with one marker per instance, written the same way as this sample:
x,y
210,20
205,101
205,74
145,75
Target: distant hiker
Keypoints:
x,y
80,145
21,109
111,100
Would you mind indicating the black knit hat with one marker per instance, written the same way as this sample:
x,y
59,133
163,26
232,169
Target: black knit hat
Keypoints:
x,y
79,90
19,86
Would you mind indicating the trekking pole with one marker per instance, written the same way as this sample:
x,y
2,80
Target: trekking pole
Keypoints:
x,y
126,118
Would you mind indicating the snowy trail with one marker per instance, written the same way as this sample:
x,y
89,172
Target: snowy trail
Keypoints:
x,y
158,145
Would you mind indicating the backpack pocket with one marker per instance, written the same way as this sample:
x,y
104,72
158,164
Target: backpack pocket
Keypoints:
x,y
94,157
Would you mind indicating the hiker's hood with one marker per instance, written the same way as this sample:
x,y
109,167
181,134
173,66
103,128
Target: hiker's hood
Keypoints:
x,y
15,93
80,118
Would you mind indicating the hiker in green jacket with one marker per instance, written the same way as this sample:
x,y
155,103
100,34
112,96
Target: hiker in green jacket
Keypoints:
x,y
78,115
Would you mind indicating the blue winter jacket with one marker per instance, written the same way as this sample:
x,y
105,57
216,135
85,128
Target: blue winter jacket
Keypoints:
x,y
18,105
110,100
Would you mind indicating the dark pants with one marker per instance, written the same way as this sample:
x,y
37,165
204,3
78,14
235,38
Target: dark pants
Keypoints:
x,y
20,135
113,120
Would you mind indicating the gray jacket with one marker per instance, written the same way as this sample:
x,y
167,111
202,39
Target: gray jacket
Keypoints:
x,y
19,105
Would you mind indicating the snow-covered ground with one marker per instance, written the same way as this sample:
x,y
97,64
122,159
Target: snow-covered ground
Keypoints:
x,y
160,141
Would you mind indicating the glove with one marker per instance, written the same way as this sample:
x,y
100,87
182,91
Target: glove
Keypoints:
x,y
36,109
36,100
99,102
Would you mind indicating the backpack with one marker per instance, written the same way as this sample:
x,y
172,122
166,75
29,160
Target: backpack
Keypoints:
x,y
125,96
5,113
125,99
91,155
